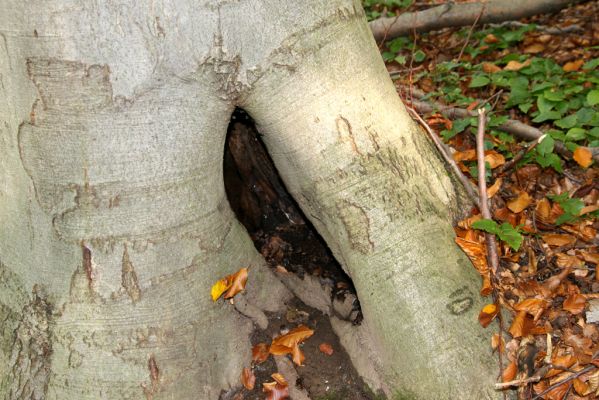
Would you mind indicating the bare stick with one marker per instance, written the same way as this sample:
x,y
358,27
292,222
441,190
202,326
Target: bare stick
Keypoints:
x,y
517,382
482,10
517,157
448,158
482,189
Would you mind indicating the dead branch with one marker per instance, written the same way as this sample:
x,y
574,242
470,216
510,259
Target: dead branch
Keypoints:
x,y
512,126
462,14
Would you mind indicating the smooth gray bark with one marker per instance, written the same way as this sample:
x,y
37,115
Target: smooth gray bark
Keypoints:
x,y
115,222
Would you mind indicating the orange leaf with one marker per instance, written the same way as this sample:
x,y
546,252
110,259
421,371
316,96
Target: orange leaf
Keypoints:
x,y
543,211
591,257
520,203
248,379
580,387
573,65
468,155
260,353
556,239
494,158
487,314
279,350
277,390
494,188
575,303
326,349
297,355
476,252
294,336
534,48
534,307
231,284
238,283
497,343
490,68
583,157
565,260
509,373
490,38
521,325
563,362
516,66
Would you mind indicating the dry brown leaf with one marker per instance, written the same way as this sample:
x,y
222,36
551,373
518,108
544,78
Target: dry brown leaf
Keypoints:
x,y
565,260
490,68
563,362
521,325
592,258
498,342
248,379
326,349
589,209
289,343
575,303
260,353
231,284
277,390
509,373
494,158
487,314
573,65
580,387
490,38
467,222
297,355
543,212
534,48
468,155
493,189
583,230
582,155
516,66
557,239
534,307
477,253
520,203
239,280
578,342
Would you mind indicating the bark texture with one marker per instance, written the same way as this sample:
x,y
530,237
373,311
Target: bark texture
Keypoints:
x,y
462,14
115,221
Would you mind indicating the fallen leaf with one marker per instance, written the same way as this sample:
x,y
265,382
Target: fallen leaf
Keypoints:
x,y
497,342
574,303
516,66
494,158
578,342
573,65
583,156
521,325
289,343
297,355
565,260
492,190
592,258
520,203
248,379
231,284
467,155
580,387
239,280
477,253
487,314
534,48
467,223
563,362
543,212
557,239
326,349
277,390
490,68
260,353
534,307
509,373
490,38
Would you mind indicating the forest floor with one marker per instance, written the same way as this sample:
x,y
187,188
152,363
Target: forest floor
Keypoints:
x,y
544,201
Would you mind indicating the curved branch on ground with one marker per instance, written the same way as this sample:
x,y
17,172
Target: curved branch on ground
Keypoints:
x,y
512,126
462,14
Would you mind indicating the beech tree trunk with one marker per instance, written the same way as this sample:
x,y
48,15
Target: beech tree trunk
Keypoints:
x,y
115,221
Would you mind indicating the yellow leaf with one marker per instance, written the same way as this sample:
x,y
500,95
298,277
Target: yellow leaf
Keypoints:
x,y
220,287
583,156
487,314
520,203
534,48
490,68
231,284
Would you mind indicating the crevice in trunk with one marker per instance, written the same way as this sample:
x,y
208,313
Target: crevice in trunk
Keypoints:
x,y
279,229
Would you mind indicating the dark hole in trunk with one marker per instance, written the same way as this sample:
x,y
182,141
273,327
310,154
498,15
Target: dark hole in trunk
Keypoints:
x,y
280,231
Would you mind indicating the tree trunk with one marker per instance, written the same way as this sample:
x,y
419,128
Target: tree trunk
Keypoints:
x,y
116,223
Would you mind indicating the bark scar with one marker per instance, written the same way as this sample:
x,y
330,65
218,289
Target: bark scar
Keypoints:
x,y
346,134
150,390
357,225
129,278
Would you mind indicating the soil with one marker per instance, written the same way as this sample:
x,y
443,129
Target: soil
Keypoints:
x,y
287,240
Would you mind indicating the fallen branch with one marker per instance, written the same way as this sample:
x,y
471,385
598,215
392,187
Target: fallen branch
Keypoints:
x,y
512,126
462,14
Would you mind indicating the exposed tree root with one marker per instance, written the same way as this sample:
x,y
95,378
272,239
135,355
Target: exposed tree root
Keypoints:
x,y
462,14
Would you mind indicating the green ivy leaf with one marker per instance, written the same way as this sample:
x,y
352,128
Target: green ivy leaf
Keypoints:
x,y
510,235
568,122
546,146
479,81
576,134
419,56
487,225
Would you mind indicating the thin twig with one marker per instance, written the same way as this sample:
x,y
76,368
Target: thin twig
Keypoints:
x,y
517,382
448,158
482,189
508,165
482,10
568,379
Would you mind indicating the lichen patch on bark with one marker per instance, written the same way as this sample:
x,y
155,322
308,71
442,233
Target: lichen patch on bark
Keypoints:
x,y
357,225
31,358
